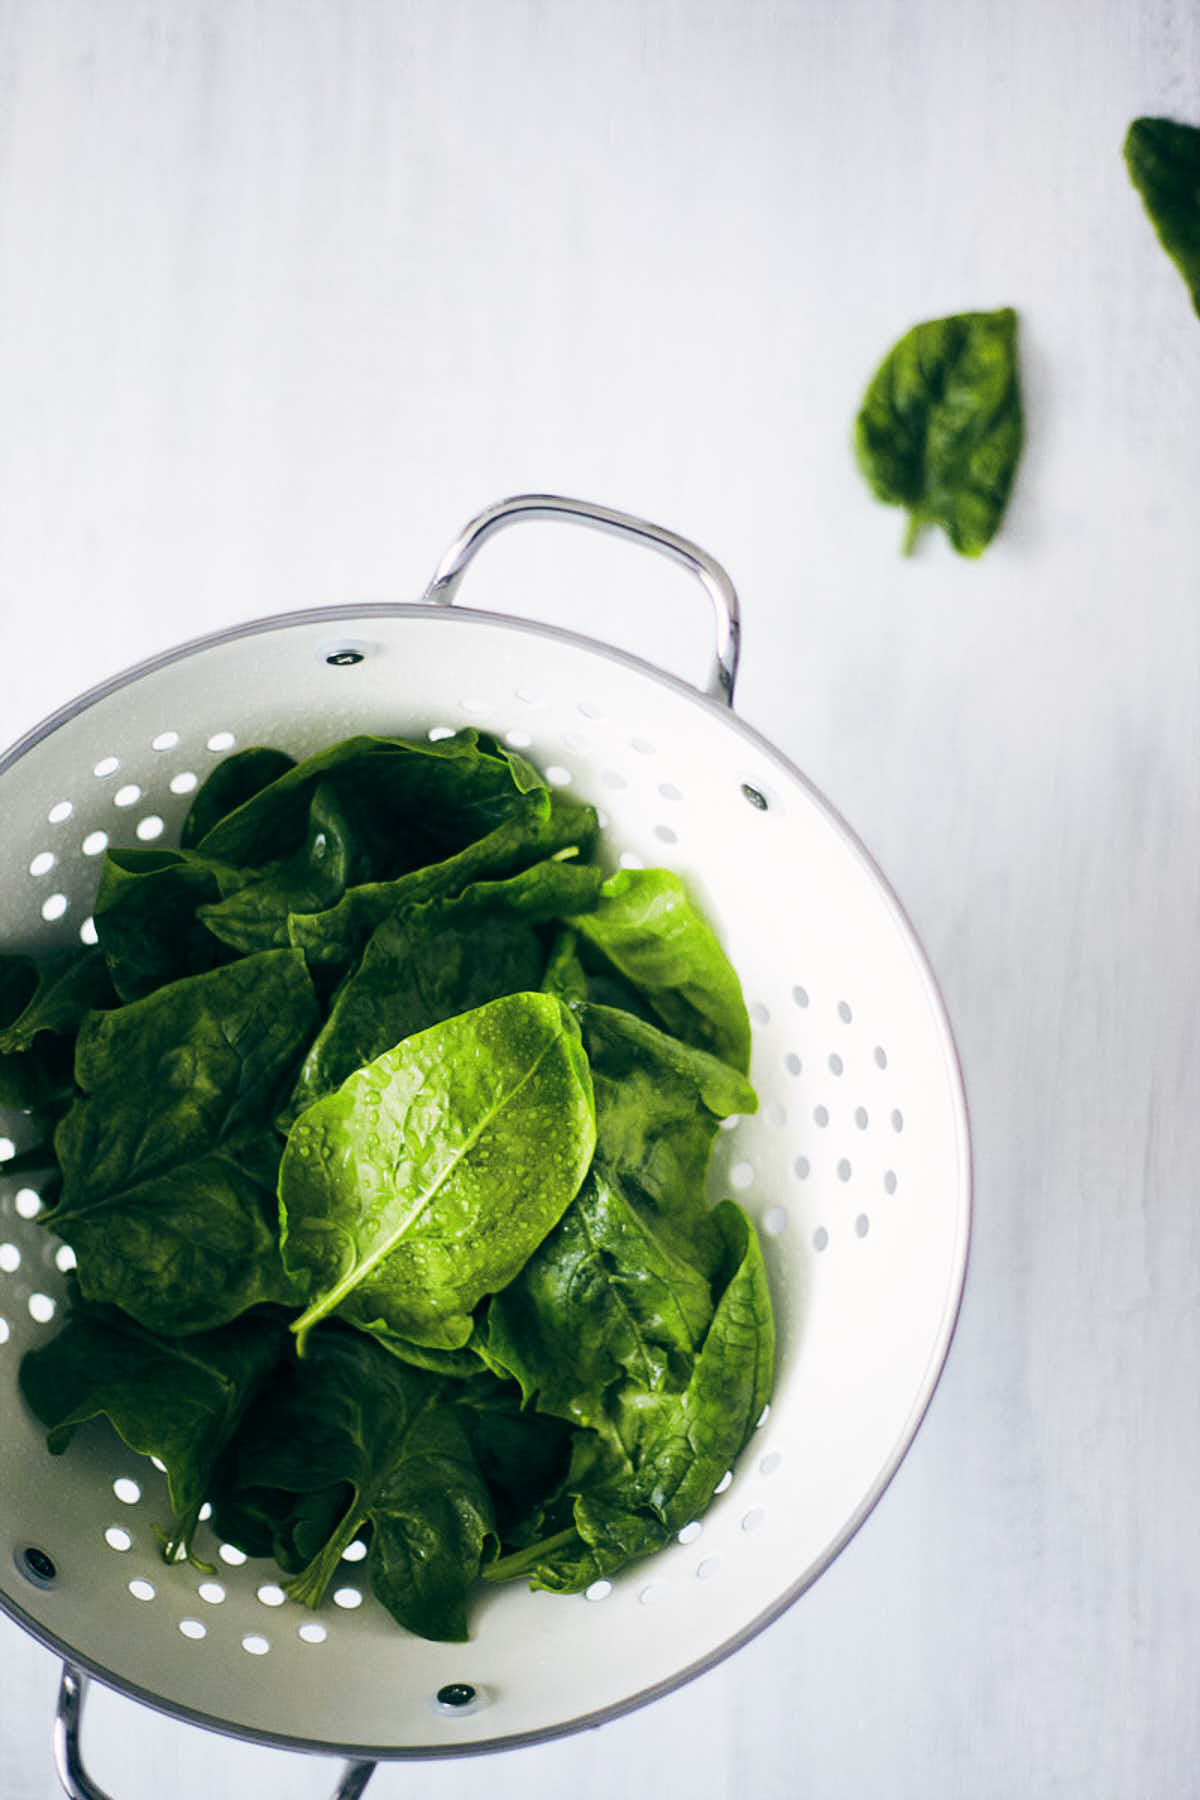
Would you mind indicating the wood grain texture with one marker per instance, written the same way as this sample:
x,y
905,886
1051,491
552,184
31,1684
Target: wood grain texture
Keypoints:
x,y
287,292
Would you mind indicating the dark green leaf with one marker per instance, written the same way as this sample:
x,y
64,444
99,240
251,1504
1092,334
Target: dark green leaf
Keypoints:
x,y
51,993
411,802
235,780
542,824
429,1177
146,916
1163,159
940,428
314,877
168,1157
620,1516
350,1414
646,926
178,1400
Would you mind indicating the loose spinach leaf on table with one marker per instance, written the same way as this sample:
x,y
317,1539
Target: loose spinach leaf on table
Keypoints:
x,y
350,1419
1163,160
940,428
177,1399
620,1514
430,961
648,929
543,823
427,1179
168,1155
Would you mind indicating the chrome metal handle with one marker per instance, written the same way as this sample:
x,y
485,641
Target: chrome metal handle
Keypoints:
x,y
68,1757
708,572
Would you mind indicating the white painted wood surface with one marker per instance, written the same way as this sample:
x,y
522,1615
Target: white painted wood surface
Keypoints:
x,y
287,292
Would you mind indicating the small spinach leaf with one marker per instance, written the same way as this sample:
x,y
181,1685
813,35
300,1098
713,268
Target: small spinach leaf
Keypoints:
x,y
1163,159
429,1177
177,1399
940,428
52,993
648,929
618,1516
168,1156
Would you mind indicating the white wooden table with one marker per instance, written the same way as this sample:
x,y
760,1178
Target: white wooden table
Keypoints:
x,y
286,293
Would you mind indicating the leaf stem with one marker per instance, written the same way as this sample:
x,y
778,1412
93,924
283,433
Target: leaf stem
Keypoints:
x,y
915,526
523,1562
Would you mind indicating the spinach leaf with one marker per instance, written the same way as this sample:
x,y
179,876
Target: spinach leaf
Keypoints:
x,y
177,1399
1163,160
235,780
603,1323
146,916
314,877
168,1156
542,824
53,993
648,929
411,801
620,1516
940,428
425,1182
431,961
351,1419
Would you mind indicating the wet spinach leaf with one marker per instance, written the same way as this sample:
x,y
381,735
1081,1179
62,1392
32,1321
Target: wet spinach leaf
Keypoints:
x,y
428,1178
235,780
168,1155
1163,160
180,1400
941,426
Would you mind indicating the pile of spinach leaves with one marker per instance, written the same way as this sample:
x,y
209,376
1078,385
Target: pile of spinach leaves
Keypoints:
x,y
378,1120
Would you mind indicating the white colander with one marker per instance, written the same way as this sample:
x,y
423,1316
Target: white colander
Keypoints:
x,y
856,1169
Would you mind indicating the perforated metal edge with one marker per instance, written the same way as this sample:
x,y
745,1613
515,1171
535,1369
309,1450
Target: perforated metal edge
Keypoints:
x,y
462,617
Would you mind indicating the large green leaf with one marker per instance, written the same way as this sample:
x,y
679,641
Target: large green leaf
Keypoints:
x,y
428,1178
1163,159
168,1156
940,427
179,1400
146,916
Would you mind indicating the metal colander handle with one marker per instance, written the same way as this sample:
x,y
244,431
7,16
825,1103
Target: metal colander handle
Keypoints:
x,y
68,1757
708,572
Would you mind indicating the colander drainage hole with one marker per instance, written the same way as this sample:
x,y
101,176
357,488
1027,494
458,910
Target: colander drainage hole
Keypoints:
x,y
221,740
192,1628
889,1182
599,1590
311,1632
691,1532
706,1569
142,1590
28,1202
347,1598
117,1538
254,1645
184,783
211,1592
127,1491
820,1238
62,809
